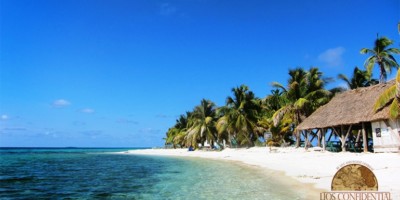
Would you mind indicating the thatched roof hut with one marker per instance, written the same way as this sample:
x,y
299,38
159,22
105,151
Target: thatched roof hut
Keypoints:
x,y
350,107
354,110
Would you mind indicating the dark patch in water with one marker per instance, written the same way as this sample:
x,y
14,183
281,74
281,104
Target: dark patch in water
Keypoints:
x,y
16,179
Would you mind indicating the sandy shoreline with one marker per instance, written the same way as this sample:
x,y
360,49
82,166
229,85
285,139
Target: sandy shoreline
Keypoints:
x,y
312,167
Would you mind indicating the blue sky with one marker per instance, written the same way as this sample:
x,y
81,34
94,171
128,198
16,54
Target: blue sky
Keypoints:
x,y
102,73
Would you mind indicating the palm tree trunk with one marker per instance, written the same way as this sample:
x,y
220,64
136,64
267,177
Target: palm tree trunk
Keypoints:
x,y
297,122
382,78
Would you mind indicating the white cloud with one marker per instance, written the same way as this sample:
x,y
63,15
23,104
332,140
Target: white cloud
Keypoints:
x,y
167,9
162,116
14,129
79,123
332,57
87,110
127,121
59,103
92,132
4,117
149,131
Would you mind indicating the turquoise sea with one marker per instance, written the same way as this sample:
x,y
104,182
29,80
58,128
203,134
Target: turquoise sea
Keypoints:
x,y
87,173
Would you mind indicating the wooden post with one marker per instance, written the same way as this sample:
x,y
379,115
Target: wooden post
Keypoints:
x,y
319,138
344,137
323,138
358,135
306,140
365,138
297,134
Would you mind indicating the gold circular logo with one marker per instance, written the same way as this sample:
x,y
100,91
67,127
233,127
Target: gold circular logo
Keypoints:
x,y
354,177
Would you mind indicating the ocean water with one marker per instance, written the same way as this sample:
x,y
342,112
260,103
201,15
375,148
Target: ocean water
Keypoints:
x,y
100,174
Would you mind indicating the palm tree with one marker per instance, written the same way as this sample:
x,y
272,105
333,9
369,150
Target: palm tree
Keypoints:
x,y
239,116
270,105
274,101
381,55
360,78
304,94
202,124
392,96
281,133
316,93
176,134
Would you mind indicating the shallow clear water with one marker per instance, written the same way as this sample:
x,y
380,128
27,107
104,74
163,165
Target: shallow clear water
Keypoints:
x,y
95,173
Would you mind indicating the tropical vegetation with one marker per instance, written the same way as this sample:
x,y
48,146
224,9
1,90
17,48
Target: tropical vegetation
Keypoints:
x,y
360,78
247,120
381,55
390,96
238,121
305,92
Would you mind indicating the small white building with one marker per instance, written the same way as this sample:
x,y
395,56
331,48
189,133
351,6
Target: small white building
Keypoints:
x,y
386,135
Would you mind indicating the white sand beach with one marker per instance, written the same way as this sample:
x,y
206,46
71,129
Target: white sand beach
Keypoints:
x,y
310,166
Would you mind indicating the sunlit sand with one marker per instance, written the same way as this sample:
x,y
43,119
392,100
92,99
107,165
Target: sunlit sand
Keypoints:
x,y
310,166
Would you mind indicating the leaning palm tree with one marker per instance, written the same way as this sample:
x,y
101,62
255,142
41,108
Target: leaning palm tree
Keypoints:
x,y
171,134
270,105
360,78
305,93
240,115
202,126
382,56
281,133
392,96
225,125
296,89
176,134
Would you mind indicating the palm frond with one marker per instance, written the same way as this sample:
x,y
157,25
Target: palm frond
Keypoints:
x,y
394,109
366,51
369,64
345,79
385,98
278,85
393,50
392,61
277,116
300,103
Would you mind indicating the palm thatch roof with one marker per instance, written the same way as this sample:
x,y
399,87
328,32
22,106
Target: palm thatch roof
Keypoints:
x,y
350,107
